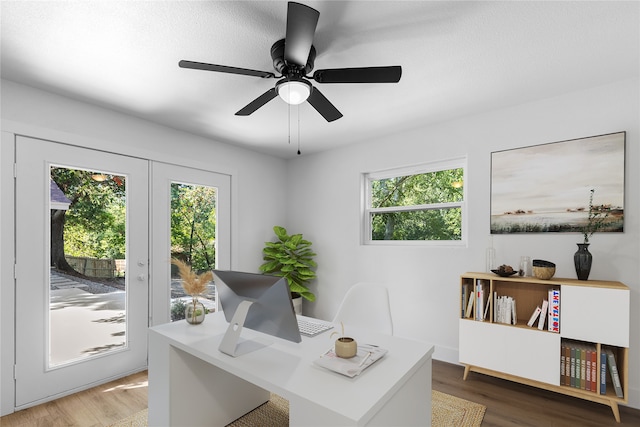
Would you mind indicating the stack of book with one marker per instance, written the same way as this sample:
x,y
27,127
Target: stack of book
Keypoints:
x,y
579,367
478,296
504,310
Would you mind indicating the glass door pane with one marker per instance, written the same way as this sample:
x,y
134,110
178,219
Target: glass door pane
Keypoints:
x,y
190,221
193,241
87,296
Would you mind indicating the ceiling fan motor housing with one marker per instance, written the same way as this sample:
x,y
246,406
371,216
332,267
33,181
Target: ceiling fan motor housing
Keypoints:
x,y
284,68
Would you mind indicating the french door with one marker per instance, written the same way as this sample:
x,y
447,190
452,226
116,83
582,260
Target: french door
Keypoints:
x,y
191,216
81,268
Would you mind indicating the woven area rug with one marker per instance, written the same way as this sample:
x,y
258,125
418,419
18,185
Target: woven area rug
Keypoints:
x,y
447,411
451,411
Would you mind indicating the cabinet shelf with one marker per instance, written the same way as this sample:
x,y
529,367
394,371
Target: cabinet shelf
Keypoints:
x,y
531,356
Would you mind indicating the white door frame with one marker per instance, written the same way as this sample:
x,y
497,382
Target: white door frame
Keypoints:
x,y
7,231
7,290
33,158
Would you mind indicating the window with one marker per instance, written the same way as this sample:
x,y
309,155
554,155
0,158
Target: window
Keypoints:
x,y
416,204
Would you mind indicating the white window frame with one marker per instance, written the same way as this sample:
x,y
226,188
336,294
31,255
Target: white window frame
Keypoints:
x,y
367,210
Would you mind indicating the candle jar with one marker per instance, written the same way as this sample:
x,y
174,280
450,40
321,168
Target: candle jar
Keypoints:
x,y
346,347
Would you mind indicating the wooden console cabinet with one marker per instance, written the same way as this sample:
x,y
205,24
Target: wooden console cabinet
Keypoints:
x,y
593,314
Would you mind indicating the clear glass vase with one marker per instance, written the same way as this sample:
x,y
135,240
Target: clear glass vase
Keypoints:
x,y
194,312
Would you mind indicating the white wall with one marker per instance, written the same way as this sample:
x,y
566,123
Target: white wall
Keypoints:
x,y
323,201
258,181
324,205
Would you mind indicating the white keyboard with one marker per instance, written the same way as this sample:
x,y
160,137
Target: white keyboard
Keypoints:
x,y
311,328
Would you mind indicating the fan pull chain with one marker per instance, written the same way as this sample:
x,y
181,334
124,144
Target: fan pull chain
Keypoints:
x,y
298,106
289,122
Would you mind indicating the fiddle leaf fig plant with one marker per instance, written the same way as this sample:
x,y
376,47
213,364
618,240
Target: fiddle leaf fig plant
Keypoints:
x,y
290,257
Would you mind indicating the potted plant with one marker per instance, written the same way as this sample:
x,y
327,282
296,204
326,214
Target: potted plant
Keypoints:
x,y
193,285
291,257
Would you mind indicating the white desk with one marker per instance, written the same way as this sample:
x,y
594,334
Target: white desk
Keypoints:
x,y
191,383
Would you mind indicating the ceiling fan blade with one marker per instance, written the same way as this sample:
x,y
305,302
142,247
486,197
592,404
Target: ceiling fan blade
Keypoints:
x,y
301,27
258,102
389,74
224,69
323,106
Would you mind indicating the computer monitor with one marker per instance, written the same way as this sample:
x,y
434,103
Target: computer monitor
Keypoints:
x,y
258,302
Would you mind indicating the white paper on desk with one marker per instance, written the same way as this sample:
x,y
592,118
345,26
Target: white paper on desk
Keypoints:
x,y
353,366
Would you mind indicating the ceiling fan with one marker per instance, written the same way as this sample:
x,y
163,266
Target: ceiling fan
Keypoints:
x,y
293,57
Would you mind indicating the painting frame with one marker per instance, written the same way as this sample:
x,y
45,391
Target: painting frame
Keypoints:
x,y
547,187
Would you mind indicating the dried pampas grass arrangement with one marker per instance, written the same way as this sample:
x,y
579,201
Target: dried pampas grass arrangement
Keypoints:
x,y
192,283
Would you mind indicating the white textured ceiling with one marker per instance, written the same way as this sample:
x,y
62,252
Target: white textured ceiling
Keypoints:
x,y
458,58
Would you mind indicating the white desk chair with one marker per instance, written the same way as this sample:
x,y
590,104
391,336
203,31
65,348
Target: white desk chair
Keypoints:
x,y
366,305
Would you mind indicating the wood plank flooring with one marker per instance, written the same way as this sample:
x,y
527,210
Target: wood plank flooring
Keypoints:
x,y
97,407
512,404
508,404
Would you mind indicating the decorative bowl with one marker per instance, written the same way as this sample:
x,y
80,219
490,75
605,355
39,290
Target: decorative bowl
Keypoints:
x,y
543,270
503,273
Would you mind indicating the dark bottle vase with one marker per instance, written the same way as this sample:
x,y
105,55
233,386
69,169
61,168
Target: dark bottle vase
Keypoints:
x,y
582,260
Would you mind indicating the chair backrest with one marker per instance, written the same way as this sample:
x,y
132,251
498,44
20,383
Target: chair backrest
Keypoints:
x,y
366,305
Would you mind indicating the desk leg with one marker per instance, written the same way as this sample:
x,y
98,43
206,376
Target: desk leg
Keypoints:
x,y
186,391
159,384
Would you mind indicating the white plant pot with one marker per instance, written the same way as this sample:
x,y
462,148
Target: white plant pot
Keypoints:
x,y
297,305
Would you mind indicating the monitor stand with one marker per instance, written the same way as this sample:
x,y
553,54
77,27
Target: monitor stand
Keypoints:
x,y
231,343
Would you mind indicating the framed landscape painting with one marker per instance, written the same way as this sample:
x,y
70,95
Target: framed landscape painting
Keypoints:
x,y
546,188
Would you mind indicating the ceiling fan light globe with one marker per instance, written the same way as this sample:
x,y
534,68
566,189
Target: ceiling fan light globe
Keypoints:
x,y
294,92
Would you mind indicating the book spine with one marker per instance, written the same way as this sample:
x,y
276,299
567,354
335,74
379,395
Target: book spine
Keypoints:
x,y
594,370
463,302
487,307
587,384
479,300
554,310
534,316
603,372
567,369
573,366
507,310
613,370
562,359
543,314
578,381
583,368
470,305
